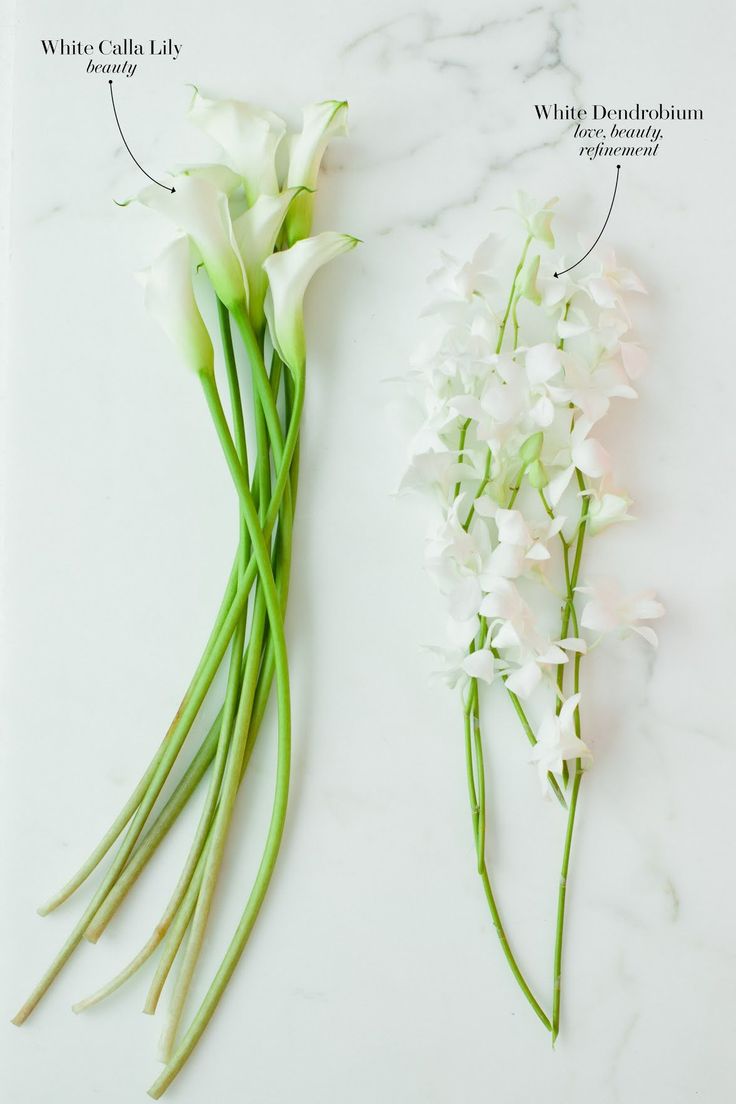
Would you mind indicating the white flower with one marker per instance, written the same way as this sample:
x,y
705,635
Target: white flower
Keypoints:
x,y
200,210
458,664
518,549
609,609
289,273
435,472
462,281
606,288
537,217
169,297
514,631
590,388
584,453
255,232
249,137
557,742
321,123
456,558
606,508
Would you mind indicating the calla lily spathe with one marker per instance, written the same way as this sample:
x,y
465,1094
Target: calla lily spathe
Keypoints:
x,y
289,273
199,209
321,123
249,136
169,297
256,231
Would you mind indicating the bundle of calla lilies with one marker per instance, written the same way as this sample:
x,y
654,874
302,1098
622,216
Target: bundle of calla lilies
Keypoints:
x,y
243,239
520,363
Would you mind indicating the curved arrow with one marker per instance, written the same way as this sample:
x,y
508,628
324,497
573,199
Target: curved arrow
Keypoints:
x,y
605,224
153,178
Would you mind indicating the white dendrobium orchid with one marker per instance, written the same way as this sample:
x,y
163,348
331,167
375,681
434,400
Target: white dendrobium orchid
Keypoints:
x,y
200,210
558,743
458,281
249,137
609,610
586,454
256,231
321,123
606,508
289,273
607,287
519,550
537,217
591,389
169,297
458,663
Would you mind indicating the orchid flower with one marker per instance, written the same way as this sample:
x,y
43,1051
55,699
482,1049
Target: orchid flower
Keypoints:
x,y
248,135
169,296
508,389
200,210
537,217
557,742
321,123
608,609
289,274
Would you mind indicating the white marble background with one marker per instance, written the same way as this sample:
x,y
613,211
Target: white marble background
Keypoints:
x,y
373,976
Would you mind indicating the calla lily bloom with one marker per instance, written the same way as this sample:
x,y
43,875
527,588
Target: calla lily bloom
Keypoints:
x,y
249,136
289,273
169,296
322,122
200,210
256,231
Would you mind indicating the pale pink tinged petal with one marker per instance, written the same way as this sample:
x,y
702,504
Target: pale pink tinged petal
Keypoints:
x,y
507,560
525,680
645,607
596,617
634,359
591,458
480,665
601,291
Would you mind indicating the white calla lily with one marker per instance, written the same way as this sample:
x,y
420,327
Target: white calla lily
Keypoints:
x,y
199,209
255,232
169,297
321,123
289,273
249,137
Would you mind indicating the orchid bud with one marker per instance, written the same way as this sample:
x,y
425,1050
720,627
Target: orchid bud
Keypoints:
x,y
531,448
537,475
528,284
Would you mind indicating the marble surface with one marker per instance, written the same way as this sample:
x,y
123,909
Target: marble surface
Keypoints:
x,y
373,975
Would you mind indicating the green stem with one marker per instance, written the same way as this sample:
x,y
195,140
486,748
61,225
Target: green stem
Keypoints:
x,y
278,814
562,891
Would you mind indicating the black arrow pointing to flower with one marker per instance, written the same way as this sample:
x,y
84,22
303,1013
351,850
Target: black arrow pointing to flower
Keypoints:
x,y
605,224
153,178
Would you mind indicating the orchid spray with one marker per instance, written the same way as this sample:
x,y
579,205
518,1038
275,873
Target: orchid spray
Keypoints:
x,y
507,389
242,229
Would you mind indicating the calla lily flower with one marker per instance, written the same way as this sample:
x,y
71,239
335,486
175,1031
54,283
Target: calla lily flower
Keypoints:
x,y
249,137
289,273
169,296
322,122
255,232
199,209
